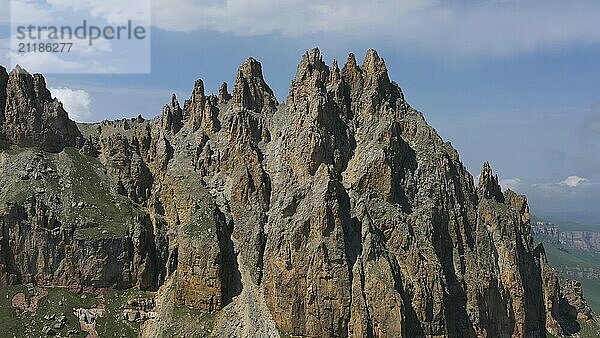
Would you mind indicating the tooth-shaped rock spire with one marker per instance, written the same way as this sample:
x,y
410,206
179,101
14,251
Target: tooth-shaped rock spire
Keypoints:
x,y
352,73
335,75
374,70
195,105
224,95
251,92
489,187
172,116
200,110
312,74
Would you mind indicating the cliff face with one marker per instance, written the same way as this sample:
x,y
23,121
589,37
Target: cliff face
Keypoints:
x,y
582,240
340,213
31,116
571,239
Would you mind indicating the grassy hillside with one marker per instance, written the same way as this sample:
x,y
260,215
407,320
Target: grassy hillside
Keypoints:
x,y
58,302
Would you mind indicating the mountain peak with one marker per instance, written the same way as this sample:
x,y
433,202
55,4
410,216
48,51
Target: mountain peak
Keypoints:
x,y
489,187
251,92
224,95
32,118
18,70
172,115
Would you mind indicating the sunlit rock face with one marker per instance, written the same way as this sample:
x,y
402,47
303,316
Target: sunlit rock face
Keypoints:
x,y
338,213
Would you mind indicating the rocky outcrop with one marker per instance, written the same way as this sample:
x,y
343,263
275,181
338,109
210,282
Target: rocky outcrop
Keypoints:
x,y
32,118
172,116
50,255
568,239
512,282
488,185
340,213
224,95
565,305
572,295
201,111
59,230
3,84
251,91
582,240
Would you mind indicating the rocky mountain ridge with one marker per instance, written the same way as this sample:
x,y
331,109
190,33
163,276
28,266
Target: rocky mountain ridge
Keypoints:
x,y
340,213
576,239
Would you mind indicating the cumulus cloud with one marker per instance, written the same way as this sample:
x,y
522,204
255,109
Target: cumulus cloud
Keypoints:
x,y
513,184
77,55
24,12
75,101
475,28
573,181
38,62
489,28
114,11
572,187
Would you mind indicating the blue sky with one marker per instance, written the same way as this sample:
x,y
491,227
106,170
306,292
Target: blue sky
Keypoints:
x,y
515,82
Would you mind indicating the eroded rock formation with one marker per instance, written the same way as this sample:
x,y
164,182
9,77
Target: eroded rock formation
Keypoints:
x,y
340,213
32,118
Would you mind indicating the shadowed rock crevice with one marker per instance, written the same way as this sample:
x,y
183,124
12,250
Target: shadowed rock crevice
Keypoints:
x,y
230,274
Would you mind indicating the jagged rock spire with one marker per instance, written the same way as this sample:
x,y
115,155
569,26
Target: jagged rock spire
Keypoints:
x,y
32,118
352,72
251,91
224,95
19,70
489,187
172,115
312,75
195,105
336,74
375,72
200,110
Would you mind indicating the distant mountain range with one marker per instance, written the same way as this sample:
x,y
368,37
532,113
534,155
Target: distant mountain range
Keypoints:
x,y
568,234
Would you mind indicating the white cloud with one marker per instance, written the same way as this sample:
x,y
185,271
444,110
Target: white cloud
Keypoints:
x,y
74,55
24,12
476,28
488,28
113,11
75,101
570,187
573,181
43,62
511,183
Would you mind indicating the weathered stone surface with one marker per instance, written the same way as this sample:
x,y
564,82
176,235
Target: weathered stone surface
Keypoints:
x,y
172,116
3,84
251,91
340,213
199,266
488,184
32,118
224,95
573,300
201,111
